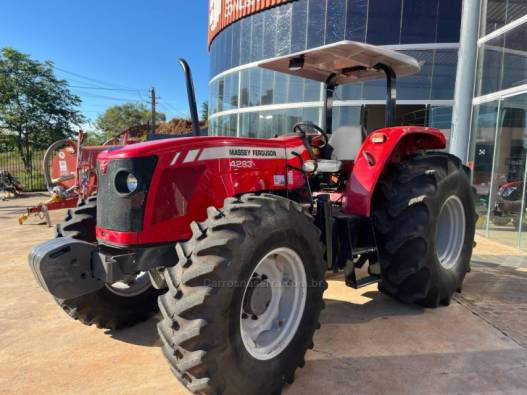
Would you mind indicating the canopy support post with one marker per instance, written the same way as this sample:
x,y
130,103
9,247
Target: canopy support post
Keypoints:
x,y
391,94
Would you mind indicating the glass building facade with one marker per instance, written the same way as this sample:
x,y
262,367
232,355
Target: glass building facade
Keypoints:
x,y
499,122
247,101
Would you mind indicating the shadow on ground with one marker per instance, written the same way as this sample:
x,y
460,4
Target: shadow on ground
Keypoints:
x,y
336,312
143,334
379,306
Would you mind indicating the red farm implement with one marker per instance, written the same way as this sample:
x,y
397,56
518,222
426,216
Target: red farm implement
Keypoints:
x,y
69,172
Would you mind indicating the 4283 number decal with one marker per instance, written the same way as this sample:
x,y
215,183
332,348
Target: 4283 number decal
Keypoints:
x,y
241,164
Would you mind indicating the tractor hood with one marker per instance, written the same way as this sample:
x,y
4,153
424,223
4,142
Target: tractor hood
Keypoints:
x,y
161,147
174,182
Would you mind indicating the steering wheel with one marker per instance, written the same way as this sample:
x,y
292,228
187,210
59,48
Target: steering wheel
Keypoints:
x,y
315,135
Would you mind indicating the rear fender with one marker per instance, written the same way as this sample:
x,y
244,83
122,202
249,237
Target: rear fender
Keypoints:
x,y
374,155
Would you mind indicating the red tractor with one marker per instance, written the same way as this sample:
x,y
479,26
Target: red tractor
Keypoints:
x,y
508,205
232,237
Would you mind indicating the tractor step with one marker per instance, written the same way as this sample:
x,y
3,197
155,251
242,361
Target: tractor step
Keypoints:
x,y
360,277
364,282
363,269
362,251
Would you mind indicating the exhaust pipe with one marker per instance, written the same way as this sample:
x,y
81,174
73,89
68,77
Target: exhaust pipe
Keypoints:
x,y
191,96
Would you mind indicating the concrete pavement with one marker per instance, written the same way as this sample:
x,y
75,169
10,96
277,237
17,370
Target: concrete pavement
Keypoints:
x,y
368,344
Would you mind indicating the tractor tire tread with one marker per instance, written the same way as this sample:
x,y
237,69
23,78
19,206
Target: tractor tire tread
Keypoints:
x,y
403,209
189,325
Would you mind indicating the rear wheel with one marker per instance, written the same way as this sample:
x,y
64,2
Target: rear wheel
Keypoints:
x,y
424,216
245,298
116,305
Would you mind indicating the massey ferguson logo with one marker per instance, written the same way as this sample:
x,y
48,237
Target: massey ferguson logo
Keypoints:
x,y
254,152
214,14
257,152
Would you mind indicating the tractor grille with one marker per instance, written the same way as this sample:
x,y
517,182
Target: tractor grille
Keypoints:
x,y
118,211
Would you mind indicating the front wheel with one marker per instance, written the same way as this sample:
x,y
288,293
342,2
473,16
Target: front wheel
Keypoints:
x,y
115,305
245,298
424,216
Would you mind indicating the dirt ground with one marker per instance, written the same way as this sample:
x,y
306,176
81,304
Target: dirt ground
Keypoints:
x,y
368,344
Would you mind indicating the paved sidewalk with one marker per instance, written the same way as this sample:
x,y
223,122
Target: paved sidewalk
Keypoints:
x,y
368,343
491,252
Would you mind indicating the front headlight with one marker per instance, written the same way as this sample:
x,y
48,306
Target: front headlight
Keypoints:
x,y
131,183
126,182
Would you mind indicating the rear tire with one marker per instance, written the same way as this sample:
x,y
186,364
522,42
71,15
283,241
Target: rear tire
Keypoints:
x,y
105,308
204,330
424,216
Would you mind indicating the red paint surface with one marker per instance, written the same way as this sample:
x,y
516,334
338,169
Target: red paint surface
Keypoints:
x,y
86,170
67,157
67,203
82,167
181,192
400,141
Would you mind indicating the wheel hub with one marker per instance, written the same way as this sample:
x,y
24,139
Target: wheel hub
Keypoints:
x,y
258,296
273,303
131,286
450,232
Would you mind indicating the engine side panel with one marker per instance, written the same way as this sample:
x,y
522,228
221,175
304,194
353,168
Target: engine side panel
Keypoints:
x,y
380,148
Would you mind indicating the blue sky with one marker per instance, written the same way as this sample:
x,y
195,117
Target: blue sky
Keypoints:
x,y
119,44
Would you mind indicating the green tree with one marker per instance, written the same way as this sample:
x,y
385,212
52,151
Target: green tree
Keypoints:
x,y
205,111
95,137
36,108
117,119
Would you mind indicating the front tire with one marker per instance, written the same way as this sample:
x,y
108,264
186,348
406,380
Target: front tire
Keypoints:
x,y
210,331
113,306
424,216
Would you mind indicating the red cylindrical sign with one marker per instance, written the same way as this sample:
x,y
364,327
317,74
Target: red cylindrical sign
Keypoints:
x,y
224,12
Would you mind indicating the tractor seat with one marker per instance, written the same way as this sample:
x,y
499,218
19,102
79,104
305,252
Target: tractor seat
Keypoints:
x,y
344,145
328,166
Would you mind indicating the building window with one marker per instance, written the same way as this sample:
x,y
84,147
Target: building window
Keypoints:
x,y
499,169
485,122
357,13
498,13
444,75
419,21
384,22
502,61
302,24
267,124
